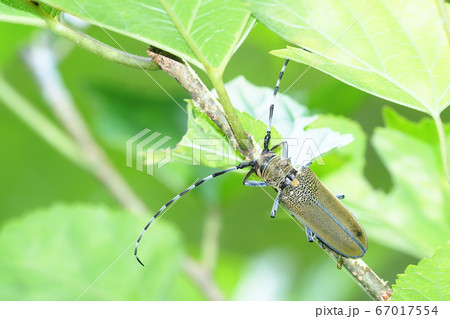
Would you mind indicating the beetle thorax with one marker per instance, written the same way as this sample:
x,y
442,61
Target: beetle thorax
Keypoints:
x,y
273,169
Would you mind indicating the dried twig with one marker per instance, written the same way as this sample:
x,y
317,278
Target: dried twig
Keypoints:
x,y
203,278
43,64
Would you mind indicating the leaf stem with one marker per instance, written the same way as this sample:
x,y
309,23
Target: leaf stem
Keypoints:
x,y
215,75
229,110
203,98
443,145
90,44
441,6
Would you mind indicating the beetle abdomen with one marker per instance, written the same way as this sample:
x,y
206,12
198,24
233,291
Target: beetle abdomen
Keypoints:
x,y
309,200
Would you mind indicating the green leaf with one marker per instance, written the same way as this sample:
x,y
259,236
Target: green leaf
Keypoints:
x,y
290,119
396,50
350,157
12,39
419,201
204,144
16,12
58,252
413,216
429,280
205,33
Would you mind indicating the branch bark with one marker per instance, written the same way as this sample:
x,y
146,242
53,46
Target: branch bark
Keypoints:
x,y
203,98
367,279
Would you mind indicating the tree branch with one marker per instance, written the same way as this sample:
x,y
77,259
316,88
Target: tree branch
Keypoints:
x,y
367,279
203,98
39,123
90,44
43,64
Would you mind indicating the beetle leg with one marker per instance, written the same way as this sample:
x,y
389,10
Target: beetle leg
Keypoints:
x,y
340,196
275,206
253,183
310,235
339,262
275,147
285,148
322,245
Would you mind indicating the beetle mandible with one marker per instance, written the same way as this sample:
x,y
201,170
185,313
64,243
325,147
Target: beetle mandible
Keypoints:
x,y
325,218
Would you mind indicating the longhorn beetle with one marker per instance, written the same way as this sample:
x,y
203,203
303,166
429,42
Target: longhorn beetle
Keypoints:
x,y
309,201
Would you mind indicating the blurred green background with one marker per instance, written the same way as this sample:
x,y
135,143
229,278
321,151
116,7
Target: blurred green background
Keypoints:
x,y
258,257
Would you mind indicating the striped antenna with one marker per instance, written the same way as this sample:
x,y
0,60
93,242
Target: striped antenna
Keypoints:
x,y
275,91
240,166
